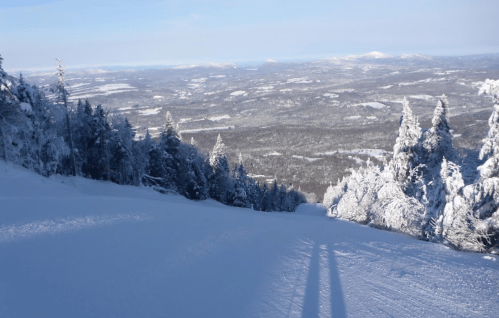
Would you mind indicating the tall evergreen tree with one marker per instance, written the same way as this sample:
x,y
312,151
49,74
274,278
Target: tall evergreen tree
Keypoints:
x,y
404,151
121,145
62,97
169,145
220,182
437,141
490,148
241,186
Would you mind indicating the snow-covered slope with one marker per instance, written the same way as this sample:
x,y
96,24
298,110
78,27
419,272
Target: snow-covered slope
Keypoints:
x,y
71,247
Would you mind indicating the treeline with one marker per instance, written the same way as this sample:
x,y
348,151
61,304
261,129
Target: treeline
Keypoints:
x,y
51,137
428,189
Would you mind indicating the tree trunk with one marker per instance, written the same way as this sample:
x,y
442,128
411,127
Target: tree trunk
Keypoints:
x,y
73,162
104,150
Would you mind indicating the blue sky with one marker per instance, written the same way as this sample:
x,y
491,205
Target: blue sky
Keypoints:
x,y
111,32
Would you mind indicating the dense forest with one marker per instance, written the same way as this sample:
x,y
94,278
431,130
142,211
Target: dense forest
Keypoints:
x,y
53,136
429,189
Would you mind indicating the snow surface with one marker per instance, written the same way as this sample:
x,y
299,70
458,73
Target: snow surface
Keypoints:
x,y
299,80
331,95
188,131
352,117
377,153
72,247
265,88
376,105
274,153
103,90
238,93
26,107
199,80
218,118
425,97
150,111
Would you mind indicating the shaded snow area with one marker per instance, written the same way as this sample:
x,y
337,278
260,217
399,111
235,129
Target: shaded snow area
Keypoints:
x,y
72,247
306,158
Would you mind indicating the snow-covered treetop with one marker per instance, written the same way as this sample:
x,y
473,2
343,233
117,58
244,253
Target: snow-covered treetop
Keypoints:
x,y
409,130
60,72
491,141
60,89
489,87
441,114
438,140
5,80
169,125
218,152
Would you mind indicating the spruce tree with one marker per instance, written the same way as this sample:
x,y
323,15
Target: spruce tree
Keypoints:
x,y
490,148
169,145
438,139
405,156
220,182
241,187
62,97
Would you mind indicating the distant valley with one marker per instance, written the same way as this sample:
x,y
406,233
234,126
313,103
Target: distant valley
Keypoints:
x,y
303,123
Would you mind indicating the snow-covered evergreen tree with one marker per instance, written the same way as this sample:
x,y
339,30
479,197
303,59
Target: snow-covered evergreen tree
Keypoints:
x,y
490,148
437,141
221,183
371,196
241,186
121,145
405,156
97,164
62,98
169,145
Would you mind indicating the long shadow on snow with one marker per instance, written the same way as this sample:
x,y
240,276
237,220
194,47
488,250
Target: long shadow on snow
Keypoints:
x,y
311,305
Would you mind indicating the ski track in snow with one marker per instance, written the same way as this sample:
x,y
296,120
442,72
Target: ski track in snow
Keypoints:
x,y
35,228
72,247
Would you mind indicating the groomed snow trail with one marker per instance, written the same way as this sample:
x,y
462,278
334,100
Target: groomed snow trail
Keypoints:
x,y
71,247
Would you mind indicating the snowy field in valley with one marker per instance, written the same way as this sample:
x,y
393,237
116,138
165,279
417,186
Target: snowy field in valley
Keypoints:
x,y
72,247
